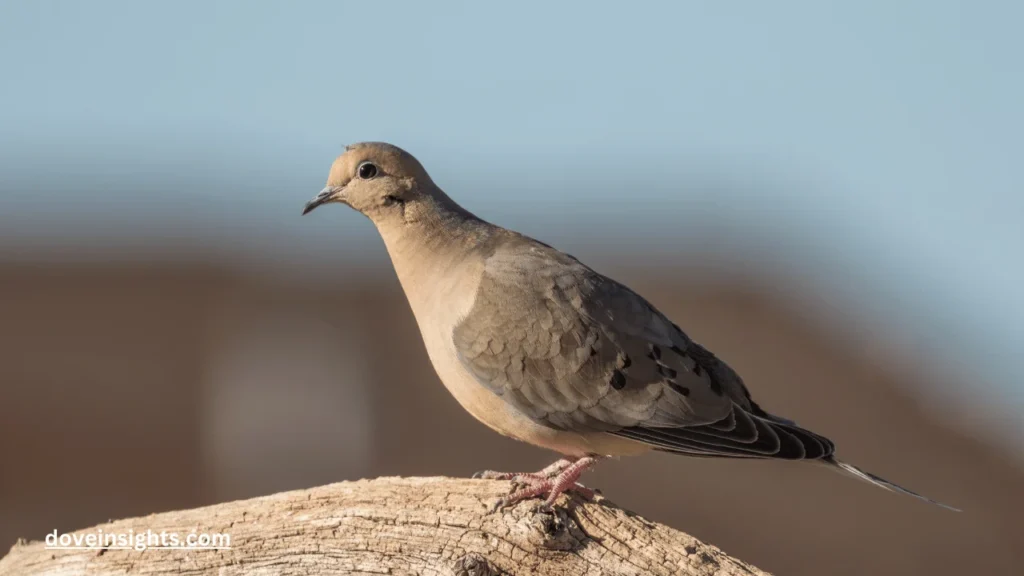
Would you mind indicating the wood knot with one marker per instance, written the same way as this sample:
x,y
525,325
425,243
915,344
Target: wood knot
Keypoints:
x,y
550,521
473,565
558,530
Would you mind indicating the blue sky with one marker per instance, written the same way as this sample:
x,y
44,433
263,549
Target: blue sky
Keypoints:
x,y
874,146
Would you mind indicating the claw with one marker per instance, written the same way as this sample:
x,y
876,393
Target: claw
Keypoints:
x,y
549,483
498,505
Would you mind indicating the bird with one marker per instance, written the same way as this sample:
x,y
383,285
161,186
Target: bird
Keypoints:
x,y
541,348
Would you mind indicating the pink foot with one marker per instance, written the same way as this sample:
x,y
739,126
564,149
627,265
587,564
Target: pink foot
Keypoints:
x,y
560,477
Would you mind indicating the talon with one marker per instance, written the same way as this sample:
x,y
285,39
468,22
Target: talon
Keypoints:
x,y
498,505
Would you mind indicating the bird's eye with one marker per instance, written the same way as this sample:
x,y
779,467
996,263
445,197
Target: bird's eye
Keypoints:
x,y
367,170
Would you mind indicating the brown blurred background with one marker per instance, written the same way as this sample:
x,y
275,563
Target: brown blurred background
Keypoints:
x,y
132,387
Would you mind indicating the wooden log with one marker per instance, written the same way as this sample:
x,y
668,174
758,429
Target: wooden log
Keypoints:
x,y
393,526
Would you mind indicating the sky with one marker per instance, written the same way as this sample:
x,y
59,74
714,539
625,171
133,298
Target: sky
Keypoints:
x,y
874,147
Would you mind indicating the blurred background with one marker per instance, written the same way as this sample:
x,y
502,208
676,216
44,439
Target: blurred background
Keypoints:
x,y
829,197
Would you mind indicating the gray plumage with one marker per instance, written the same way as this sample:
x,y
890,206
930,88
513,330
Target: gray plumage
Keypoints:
x,y
577,351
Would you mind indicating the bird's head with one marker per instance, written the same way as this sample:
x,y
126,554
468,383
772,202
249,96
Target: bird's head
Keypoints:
x,y
379,180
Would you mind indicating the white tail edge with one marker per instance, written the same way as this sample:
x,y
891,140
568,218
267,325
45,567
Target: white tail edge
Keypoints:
x,y
883,483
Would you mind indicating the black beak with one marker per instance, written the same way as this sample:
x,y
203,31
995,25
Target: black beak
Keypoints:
x,y
325,196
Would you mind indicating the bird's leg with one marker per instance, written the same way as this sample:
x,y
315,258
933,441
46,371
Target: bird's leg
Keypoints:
x,y
564,480
549,472
567,480
555,469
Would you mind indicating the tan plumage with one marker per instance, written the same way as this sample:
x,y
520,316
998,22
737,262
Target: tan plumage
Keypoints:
x,y
541,348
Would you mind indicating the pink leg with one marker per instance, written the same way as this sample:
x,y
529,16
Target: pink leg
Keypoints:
x,y
554,469
551,484
567,479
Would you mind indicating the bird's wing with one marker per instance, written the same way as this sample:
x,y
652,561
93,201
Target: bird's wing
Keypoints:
x,y
576,351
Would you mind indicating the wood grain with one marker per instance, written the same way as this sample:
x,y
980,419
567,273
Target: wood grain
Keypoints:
x,y
395,526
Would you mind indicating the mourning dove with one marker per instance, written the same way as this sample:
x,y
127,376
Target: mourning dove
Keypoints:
x,y
541,348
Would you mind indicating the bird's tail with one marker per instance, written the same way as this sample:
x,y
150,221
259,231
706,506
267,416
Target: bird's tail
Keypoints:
x,y
881,482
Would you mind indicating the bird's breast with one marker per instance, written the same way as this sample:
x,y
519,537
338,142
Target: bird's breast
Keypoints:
x,y
441,294
438,311
437,322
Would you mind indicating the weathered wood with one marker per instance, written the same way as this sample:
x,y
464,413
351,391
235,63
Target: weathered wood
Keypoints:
x,y
396,526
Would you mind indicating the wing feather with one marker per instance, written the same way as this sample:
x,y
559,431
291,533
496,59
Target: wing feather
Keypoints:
x,y
576,351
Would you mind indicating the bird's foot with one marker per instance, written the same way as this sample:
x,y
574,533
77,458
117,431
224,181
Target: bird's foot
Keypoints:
x,y
522,477
560,477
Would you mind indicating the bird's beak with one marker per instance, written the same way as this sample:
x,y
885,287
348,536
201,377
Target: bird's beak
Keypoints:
x,y
328,194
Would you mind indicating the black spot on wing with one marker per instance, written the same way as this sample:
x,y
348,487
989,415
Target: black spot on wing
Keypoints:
x,y
666,371
679,388
618,380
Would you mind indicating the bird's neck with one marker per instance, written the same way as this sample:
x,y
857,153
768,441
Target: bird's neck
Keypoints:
x,y
431,243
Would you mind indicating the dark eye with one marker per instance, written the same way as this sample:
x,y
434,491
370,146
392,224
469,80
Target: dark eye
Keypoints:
x,y
367,170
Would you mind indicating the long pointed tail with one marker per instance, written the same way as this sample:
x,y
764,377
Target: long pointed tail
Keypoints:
x,y
881,482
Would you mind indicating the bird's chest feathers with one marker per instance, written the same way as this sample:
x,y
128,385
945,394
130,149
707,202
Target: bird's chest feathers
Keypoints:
x,y
440,297
439,302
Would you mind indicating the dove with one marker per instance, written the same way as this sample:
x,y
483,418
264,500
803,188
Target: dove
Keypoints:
x,y
541,348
